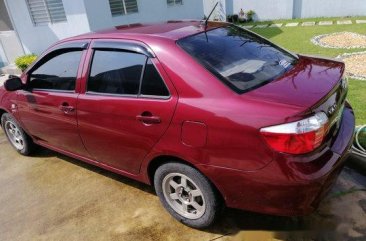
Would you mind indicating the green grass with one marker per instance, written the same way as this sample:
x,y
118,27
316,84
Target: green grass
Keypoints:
x,y
357,97
297,39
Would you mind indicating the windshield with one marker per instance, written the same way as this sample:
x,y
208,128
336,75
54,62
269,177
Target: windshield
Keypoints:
x,y
239,58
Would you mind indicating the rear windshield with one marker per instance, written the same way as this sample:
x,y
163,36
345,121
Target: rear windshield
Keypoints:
x,y
241,59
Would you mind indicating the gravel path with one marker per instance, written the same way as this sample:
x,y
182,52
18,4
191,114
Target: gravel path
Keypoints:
x,y
346,40
355,64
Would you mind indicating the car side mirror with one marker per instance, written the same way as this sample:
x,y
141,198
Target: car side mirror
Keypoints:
x,y
13,84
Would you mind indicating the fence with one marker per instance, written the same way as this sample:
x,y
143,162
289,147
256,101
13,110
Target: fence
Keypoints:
x,y
287,9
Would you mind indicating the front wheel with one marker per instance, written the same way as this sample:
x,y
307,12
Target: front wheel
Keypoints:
x,y
187,195
16,136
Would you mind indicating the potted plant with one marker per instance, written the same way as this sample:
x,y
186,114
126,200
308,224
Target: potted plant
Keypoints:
x,y
229,18
250,15
235,18
24,61
242,17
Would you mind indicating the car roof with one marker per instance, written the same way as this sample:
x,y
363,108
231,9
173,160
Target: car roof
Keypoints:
x,y
170,30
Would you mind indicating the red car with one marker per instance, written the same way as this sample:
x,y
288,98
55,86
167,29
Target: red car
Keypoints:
x,y
211,115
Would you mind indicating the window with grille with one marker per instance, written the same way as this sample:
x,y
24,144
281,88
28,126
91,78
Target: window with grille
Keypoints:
x,y
175,2
46,11
122,7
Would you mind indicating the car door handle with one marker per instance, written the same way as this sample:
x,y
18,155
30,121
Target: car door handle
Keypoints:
x,y
66,108
148,119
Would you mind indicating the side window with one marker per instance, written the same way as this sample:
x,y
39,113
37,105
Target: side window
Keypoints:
x,y
152,83
58,73
116,72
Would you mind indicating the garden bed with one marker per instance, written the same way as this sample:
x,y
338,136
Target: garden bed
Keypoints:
x,y
355,64
344,40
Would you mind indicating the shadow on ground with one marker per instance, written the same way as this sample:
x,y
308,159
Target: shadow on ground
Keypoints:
x,y
53,197
321,225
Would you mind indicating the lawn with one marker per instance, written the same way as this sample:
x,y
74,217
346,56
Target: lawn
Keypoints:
x,y
297,39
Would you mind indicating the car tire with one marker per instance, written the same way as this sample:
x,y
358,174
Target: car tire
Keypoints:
x,y
187,195
16,135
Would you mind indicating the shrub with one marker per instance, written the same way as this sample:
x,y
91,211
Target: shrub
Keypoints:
x,y
24,61
229,18
250,15
235,18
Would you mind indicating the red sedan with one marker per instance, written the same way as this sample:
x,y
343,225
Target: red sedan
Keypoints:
x,y
212,116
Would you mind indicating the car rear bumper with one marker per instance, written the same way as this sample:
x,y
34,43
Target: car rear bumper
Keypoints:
x,y
289,185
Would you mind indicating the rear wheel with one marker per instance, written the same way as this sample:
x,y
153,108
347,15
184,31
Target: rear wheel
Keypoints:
x,y
187,194
15,134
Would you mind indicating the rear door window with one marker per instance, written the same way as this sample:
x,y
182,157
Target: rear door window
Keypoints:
x,y
241,59
116,72
125,73
152,83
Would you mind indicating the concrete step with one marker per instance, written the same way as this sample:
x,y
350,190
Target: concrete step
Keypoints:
x,y
3,77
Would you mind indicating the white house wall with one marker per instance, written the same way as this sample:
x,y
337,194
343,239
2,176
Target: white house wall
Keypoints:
x,y
10,47
264,9
220,11
36,39
148,11
329,8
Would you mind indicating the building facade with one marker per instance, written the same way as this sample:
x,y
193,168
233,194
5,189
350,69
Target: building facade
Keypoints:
x,y
40,23
10,47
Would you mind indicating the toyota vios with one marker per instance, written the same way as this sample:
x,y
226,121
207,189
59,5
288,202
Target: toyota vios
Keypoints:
x,y
211,115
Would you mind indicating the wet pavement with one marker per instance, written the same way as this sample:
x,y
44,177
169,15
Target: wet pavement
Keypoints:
x,y
53,197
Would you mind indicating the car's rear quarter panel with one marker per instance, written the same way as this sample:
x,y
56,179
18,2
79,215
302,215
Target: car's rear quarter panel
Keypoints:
x,y
233,140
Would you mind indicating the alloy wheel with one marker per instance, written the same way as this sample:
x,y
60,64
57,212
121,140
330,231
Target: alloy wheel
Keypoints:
x,y
183,195
14,134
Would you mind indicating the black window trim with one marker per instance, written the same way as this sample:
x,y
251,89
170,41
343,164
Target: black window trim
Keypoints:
x,y
52,90
62,48
125,47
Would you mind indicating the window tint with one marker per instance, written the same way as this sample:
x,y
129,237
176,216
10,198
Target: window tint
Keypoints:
x,y
239,58
116,72
58,73
152,83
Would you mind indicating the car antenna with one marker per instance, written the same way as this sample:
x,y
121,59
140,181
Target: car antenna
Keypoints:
x,y
206,21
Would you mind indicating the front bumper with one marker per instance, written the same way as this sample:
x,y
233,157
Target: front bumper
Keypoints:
x,y
289,185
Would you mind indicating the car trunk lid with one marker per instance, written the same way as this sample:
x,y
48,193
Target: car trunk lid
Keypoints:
x,y
313,85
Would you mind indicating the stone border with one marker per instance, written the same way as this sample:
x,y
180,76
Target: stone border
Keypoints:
x,y
324,22
351,75
316,40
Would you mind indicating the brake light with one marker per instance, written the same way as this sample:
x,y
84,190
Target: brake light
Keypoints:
x,y
297,137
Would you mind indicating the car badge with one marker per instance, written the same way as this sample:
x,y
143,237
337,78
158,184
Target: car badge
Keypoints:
x,y
332,109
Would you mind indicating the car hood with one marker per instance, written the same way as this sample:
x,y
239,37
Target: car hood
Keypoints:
x,y
303,86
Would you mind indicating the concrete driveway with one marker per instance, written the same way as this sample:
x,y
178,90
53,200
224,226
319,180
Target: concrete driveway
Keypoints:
x,y
52,197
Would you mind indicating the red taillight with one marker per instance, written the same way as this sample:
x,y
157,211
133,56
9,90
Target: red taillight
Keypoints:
x,y
297,137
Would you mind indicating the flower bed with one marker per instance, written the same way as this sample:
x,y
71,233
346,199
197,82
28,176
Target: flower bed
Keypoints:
x,y
345,40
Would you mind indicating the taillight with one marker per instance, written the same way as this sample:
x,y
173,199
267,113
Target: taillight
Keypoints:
x,y
297,137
